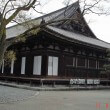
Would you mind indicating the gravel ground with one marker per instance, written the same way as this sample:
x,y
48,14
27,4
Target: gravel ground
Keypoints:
x,y
11,95
21,99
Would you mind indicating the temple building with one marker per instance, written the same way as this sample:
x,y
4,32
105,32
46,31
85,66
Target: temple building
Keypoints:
x,y
59,51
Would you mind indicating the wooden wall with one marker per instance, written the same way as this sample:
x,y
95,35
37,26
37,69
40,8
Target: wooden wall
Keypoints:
x,y
75,60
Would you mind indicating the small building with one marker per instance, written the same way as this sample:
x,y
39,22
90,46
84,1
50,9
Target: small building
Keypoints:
x,y
59,51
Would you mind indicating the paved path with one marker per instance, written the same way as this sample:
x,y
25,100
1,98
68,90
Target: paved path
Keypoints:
x,y
53,100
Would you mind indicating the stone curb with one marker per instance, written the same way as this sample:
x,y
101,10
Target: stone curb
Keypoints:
x,y
55,88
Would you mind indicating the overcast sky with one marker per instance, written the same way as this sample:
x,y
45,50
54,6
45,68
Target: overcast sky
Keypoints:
x,y
100,25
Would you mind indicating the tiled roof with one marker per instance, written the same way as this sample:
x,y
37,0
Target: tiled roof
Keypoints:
x,y
56,15
79,37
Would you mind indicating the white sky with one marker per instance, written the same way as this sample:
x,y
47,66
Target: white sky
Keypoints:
x,y
101,27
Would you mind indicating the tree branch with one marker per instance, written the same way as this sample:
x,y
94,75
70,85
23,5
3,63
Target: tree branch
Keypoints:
x,y
5,7
89,7
23,8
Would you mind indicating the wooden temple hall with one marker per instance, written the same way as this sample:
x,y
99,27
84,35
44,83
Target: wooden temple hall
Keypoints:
x,y
60,52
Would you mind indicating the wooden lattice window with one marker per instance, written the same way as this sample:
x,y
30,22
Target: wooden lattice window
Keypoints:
x,y
81,62
92,63
101,64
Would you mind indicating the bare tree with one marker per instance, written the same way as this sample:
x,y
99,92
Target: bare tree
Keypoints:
x,y
9,9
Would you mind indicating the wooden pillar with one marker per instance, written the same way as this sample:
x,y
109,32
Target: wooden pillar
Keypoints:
x,y
17,67
29,65
62,71
76,61
44,66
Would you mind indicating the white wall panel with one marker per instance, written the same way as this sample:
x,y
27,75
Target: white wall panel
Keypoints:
x,y
53,66
37,65
73,61
12,66
50,65
23,63
3,66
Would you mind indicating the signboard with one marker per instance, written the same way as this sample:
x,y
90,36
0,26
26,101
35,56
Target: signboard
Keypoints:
x,y
83,81
90,81
77,81
73,81
96,81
